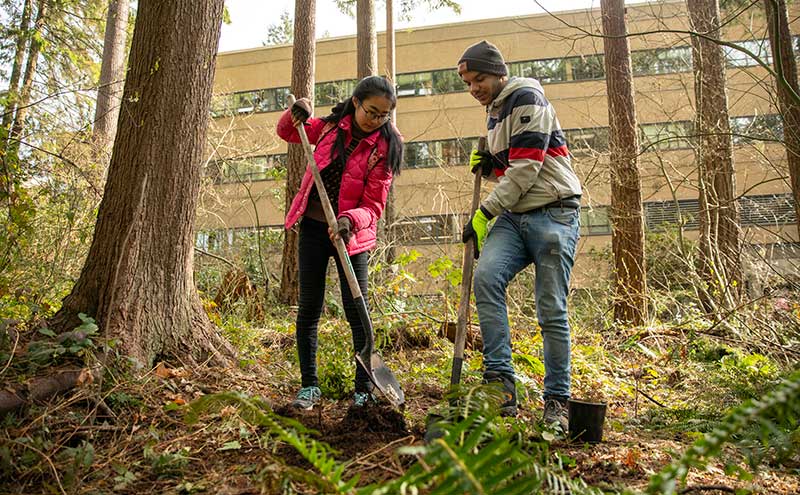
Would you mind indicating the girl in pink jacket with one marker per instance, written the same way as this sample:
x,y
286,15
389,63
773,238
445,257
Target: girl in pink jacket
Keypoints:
x,y
358,151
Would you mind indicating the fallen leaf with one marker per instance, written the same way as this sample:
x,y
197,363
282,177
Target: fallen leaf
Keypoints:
x,y
162,371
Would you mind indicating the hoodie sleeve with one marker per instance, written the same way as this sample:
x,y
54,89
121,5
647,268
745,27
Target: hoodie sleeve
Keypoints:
x,y
533,129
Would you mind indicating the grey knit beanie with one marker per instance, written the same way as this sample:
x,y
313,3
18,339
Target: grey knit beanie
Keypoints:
x,y
483,57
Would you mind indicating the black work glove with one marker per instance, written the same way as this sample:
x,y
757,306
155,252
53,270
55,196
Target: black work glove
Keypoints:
x,y
301,110
481,160
343,227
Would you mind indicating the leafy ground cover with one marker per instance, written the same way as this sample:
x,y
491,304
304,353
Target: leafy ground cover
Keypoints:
x,y
670,388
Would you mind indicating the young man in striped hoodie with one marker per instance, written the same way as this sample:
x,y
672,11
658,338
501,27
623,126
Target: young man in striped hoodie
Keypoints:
x,y
536,203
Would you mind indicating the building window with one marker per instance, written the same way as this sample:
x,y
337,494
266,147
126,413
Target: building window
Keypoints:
x,y
425,154
768,209
666,135
756,127
332,92
546,71
662,61
431,229
447,81
588,67
587,141
661,214
249,169
594,221
736,58
416,84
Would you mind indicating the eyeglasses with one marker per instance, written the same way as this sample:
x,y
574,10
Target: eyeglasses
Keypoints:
x,y
379,117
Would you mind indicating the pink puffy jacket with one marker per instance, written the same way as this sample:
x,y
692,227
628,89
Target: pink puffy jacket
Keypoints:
x,y
365,180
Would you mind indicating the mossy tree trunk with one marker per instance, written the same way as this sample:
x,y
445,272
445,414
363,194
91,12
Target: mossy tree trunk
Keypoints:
x,y
137,281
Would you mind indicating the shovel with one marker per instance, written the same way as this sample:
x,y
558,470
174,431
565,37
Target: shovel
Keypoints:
x,y
466,284
379,374
432,430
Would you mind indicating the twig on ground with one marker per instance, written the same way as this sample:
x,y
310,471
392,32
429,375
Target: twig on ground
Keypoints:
x,y
46,458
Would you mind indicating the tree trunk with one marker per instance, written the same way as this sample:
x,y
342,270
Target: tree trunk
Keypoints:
x,y
302,87
719,213
389,213
112,77
18,121
780,38
16,67
366,39
627,238
137,281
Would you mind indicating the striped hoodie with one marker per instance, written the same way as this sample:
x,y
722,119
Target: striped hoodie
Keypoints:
x,y
529,148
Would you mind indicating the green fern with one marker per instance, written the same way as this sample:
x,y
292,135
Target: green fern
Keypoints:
x,y
479,454
783,401
257,412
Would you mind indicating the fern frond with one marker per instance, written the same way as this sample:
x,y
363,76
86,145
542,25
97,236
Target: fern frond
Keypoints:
x,y
782,401
477,456
258,413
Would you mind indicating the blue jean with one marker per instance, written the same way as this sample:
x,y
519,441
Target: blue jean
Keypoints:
x,y
548,238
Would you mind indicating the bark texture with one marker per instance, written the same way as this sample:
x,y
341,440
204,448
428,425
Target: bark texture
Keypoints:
x,y
719,213
783,58
366,39
137,281
627,237
303,52
112,76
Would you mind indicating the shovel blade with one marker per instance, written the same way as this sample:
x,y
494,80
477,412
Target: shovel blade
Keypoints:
x,y
382,377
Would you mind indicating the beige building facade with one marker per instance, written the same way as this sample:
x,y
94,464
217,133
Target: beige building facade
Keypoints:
x,y
441,123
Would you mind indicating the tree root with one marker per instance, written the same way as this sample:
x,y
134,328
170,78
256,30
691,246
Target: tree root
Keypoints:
x,y
45,387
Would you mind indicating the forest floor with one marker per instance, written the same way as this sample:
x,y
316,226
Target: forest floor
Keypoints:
x,y
663,388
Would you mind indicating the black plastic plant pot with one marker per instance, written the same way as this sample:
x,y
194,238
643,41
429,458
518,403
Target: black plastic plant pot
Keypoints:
x,y
586,420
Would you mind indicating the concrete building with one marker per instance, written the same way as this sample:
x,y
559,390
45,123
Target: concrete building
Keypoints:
x,y
441,123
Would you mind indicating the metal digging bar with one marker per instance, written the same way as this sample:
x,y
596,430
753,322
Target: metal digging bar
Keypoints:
x,y
379,373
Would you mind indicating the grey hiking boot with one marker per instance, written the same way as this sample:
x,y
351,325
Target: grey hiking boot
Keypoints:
x,y
555,414
307,398
509,407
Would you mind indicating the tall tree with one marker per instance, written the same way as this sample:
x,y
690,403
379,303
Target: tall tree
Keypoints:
x,y
366,39
390,214
302,87
112,75
627,238
780,37
719,213
36,41
22,36
137,281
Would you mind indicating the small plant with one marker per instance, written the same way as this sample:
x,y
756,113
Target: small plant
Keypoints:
x,y
782,402
74,343
166,463
330,473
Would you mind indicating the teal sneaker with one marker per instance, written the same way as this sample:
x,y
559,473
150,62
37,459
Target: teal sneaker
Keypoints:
x,y
307,398
361,399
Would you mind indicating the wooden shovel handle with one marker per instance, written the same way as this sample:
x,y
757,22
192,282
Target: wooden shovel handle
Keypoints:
x,y
466,282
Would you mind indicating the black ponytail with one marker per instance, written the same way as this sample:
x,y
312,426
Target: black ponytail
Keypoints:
x,y
368,87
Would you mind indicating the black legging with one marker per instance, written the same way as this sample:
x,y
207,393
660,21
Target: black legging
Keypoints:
x,y
315,248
